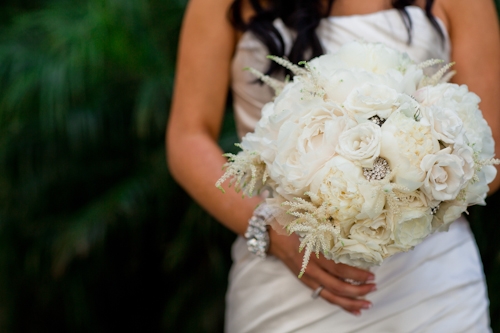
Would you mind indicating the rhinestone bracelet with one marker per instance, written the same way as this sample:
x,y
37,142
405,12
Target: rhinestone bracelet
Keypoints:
x,y
257,235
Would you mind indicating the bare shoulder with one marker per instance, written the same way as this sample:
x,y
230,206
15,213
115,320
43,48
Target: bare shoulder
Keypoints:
x,y
212,13
455,14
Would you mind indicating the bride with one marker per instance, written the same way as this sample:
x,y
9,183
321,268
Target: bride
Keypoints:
x,y
437,287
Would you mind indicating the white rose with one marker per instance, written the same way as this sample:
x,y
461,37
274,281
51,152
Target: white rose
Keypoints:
x,y
445,124
412,225
444,175
361,144
375,231
372,99
447,213
466,105
353,253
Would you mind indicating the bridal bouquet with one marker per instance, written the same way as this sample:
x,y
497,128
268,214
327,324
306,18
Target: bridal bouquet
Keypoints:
x,y
363,155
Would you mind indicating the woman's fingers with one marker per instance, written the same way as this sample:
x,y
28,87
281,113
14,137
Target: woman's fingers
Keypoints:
x,y
349,304
337,286
345,271
323,272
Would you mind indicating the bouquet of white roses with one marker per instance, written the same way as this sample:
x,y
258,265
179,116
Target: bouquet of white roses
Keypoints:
x,y
363,155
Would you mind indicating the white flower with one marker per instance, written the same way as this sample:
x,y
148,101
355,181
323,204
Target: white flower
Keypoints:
x,y
404,144
357,63
412,225
372,99
337,185
375,231
445,124
261,139
361,144
447,213
303,147
444,175
466,154
429,95
466,105
353,253
475,193
413,139
372,57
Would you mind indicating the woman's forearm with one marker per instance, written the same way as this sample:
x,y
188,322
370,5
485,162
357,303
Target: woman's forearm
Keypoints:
x,y
196,161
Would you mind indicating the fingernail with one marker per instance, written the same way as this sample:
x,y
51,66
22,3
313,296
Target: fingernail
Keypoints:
x,y
366,306
374,288
370,278
356,313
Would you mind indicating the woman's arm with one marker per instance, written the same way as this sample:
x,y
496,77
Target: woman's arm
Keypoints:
x,y
202,78
475,40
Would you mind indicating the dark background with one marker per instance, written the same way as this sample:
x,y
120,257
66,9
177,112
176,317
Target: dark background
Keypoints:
x,y
95,236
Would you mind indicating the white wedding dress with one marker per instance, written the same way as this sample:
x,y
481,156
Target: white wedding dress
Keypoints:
x,y
437,287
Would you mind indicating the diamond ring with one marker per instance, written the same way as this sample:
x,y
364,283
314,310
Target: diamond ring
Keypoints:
x,y
316,292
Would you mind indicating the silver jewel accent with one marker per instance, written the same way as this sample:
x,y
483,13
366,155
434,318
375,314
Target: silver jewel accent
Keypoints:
x,y
434,210
379,171
377,120
316,292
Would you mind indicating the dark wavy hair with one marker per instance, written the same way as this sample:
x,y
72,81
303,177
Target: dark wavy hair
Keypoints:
x,y
303,16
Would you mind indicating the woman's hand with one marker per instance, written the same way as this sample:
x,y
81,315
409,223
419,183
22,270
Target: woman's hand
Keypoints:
x,y
326,273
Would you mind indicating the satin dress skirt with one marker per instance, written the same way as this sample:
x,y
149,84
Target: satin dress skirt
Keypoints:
x,y
437,287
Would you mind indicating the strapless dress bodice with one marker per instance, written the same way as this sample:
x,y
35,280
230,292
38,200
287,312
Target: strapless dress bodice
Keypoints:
x,y
386,27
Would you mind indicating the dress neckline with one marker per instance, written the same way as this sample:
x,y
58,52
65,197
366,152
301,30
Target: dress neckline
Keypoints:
x,y
384,11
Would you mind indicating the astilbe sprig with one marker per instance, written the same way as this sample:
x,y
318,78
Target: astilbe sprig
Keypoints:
x,y
244,170
429,63
310,78
312,81
436,78
271,82
441,75
320,230
479,163
296,70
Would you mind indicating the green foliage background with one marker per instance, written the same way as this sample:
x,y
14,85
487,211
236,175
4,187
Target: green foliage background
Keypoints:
x,y
95,235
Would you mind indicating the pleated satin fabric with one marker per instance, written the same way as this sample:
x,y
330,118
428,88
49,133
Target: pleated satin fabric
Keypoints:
x,y
437,287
